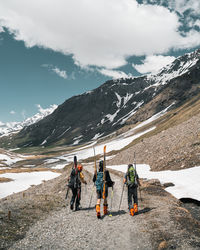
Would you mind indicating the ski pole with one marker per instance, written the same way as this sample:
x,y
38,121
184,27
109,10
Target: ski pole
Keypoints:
x,y
91,196
121,197
104,169
67,195
67,192
111,202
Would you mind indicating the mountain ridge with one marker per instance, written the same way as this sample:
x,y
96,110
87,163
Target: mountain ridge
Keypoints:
x,y
14,127
115,103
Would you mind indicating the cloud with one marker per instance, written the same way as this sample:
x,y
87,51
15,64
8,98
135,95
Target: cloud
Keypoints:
x,y
55,69
197,23
1,29
12,112
61,73
183,5
178,5
153,63
115,74
97,32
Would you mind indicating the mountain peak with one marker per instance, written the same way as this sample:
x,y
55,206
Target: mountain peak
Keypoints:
x,y
114,104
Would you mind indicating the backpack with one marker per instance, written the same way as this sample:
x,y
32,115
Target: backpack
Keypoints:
x,y
132,176
99,181
74,181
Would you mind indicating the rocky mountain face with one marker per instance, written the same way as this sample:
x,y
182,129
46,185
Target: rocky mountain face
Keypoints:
x,y
107,108
14,127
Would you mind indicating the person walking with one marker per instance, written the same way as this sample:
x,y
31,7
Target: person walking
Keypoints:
x,y
75,180
102,181
131,179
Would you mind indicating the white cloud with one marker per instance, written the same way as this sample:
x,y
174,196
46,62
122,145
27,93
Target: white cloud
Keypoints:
x,y
153,63
1,29
183,5
12,112
197,23
179,5
55,69
191,39
61,73
96,32
115,74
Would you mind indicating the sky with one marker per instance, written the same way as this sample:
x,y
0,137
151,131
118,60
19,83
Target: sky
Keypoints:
x,y
51,50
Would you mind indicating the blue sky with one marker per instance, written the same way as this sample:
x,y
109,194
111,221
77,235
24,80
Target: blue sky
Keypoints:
x,y
51,50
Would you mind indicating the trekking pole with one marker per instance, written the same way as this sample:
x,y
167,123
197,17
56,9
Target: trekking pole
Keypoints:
x,y
140,193
91,196
112,194
121,196
104,169
66,196
136,177
95,170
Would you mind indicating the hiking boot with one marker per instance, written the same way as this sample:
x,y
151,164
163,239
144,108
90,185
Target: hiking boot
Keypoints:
x,y
135,208
132,211
105,209
98,211
71,206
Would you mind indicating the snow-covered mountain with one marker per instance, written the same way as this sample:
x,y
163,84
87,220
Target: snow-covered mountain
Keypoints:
x,y
178,67
118,102
14,127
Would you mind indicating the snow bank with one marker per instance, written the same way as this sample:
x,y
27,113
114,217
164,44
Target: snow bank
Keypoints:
x,y
9,160
116,144
186,181
22,181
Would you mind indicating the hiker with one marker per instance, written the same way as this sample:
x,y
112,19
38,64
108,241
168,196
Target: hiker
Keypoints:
x,y
101,192
75,179
131,179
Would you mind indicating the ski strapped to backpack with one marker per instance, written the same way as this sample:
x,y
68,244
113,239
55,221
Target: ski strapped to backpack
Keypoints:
x,y
70,184
136,176
77,174
75,162
95,170
104,169
95,163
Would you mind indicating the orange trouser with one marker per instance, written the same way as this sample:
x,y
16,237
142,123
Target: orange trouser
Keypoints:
x,y
98,209
105,209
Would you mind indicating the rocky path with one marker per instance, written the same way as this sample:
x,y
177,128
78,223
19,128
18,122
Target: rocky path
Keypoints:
x,y
160,224
66,229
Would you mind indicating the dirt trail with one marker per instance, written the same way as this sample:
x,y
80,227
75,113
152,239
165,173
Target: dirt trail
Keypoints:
x,y
160,224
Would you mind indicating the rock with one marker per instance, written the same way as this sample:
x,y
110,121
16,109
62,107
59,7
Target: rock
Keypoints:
x,y
162,245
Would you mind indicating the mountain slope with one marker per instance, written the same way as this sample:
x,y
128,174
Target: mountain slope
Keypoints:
x,y
14,127
115,103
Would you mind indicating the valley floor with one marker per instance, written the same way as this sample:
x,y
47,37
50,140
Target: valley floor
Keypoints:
x,y
40,219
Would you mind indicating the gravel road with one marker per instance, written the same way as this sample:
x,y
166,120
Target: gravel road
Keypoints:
x,y
157,225
66,229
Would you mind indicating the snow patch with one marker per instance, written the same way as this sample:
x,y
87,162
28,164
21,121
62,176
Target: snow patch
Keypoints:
x,y
23,181
9,160
186,181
